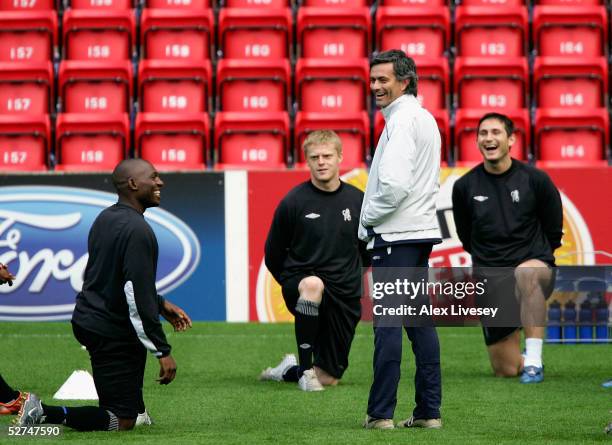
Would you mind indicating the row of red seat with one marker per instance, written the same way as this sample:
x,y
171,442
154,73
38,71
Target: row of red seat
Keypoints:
x,y
19,5
319,85
255,140
263,83
560,138
171,141
321,33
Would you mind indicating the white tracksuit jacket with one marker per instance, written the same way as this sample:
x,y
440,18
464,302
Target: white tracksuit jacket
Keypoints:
x,y
400,197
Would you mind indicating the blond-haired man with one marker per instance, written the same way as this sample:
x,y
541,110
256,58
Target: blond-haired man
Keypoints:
x,y
313,251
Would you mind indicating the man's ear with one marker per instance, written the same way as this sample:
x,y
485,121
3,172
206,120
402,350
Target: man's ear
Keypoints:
x,y
511,140
132,184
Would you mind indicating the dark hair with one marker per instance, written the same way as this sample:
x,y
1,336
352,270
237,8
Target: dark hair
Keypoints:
x,y
508,124
403,67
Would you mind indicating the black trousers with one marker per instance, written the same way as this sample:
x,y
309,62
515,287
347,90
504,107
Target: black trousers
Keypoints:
x,y
388,345
118,367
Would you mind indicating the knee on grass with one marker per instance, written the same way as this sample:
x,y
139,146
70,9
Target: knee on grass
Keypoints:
x,y
505,369
126,424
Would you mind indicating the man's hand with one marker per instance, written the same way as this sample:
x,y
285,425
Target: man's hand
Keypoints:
x,y
167,370
5,275
176,316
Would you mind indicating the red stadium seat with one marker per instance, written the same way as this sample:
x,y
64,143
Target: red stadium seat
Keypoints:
x,y
98,35
567,3
379,126
418,31
26,88
491,82
561,82
579,137
491,31
254,33
332,85
253,84
579,31
442,3
95,86
28,5
178,4
24,143
174,86
102,5
334,32
28,36
91,141
434,83
496,3
176,34
270,4
336,3
466,127
353,129
252,139
442,120
585,166
173,141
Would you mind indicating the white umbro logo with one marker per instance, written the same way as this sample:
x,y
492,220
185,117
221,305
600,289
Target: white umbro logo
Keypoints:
x,y
481,198
313,216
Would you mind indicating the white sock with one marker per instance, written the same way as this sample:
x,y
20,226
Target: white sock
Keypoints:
x,y
533,352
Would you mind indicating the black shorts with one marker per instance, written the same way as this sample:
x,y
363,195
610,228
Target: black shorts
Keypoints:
x,y
338,318
495,334
118,370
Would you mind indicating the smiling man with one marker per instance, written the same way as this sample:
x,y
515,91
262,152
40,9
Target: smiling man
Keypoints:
x,y
313,251
399,223
117,312
509,214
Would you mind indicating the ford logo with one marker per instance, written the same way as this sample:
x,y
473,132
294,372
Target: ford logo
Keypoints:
x,y
43,240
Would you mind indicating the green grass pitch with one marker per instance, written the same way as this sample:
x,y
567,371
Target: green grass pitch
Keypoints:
x,y
217,399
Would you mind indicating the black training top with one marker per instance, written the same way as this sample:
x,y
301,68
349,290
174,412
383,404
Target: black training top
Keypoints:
x,y
503,220
314,232
119,299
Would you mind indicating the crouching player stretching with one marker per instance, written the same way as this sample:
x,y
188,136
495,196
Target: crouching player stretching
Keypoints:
x,y
313,251
509,214
117,313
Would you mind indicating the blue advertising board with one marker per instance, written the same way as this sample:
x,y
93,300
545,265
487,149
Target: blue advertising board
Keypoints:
x,y
45,220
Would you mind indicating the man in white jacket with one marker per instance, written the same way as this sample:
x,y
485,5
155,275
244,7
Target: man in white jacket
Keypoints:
x,y
398,220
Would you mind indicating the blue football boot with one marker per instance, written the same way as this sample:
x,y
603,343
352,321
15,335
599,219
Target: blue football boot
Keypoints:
x,y
532,374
